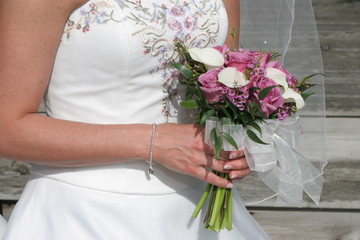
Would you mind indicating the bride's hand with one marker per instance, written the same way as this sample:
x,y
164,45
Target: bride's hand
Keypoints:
x,y
238,165
181,148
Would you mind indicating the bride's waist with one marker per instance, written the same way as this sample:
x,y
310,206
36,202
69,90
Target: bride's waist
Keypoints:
x,y
126,178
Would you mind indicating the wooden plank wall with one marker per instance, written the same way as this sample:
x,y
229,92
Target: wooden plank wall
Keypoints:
x,y
338,23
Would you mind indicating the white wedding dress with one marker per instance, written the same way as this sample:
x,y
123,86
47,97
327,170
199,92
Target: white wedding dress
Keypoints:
x,y
113,67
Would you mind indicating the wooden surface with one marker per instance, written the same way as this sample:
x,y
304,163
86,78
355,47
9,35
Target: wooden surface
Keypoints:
x,y
338,24
293,225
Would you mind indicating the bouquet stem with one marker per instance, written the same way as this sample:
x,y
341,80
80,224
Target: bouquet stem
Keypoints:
x,y
219,213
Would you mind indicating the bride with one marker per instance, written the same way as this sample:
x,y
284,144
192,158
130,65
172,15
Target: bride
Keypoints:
x,y
102,79
103,68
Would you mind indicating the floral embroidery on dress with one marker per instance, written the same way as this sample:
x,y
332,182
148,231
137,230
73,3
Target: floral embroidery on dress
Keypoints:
x,y
195,23
91,14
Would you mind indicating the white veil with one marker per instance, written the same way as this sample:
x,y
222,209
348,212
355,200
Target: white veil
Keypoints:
x,y
3,225
288,27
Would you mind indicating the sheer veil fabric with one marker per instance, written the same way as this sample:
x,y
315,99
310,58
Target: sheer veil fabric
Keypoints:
x,y
288,27
2,226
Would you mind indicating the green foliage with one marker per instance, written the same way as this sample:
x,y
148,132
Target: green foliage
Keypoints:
x,y
185,72
256,126
229,139
304,85
254,137
306,95
205,116
189,104
265,91
217,142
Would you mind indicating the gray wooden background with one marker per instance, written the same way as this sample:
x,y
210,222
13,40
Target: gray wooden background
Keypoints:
x,y
338,23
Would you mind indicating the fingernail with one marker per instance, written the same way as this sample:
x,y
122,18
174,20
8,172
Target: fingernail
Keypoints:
x,y
227,167
229,185
234,176
233,155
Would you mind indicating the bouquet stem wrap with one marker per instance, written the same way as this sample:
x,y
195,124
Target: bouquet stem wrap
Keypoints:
x,y
278,164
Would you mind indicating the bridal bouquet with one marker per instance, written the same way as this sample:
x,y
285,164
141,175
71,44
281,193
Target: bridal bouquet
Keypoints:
x,y
239,95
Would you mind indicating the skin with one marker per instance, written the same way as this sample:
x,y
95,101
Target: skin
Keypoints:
x,y
28,46
233,11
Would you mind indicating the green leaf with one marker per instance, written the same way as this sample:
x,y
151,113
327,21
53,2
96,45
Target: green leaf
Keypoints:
x,y
226,112
229,139
189,104
253,89
260,113
254,107
185,72
205,116
218,143
189,94
254,137
225,120
265,91
256,126
305,87
306,95
213,135
275,56
200,93
307,78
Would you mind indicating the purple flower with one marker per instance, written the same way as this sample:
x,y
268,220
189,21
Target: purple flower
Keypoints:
x,y
210,86
245,58
273,100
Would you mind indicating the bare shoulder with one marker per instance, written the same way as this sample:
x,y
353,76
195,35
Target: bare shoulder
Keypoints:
x,y
30,34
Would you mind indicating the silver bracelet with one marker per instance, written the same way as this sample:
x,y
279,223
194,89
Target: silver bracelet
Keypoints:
x,y
150,161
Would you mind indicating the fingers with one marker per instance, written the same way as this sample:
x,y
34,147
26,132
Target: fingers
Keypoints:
x,y
239,174
236,164
237,169
226,165
236,155
212,178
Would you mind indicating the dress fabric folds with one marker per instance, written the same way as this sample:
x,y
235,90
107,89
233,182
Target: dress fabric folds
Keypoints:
x,y
50,209
113,66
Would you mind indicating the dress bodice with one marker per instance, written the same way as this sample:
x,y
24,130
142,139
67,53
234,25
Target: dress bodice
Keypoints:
x,y
113,66
113,63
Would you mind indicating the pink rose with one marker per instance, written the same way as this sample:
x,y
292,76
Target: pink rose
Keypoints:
x,y
223,49
177,11
190,22
291,80
247,59
174,25
273,99
210,86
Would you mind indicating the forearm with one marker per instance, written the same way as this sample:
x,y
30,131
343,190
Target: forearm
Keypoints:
x,y
233,11
44,140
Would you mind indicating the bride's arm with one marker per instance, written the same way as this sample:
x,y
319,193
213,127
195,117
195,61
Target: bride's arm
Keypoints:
x,y
29,38
233,11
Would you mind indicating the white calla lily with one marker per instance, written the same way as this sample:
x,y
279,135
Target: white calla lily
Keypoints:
x,y
231,77
278,76
290,95
208,56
